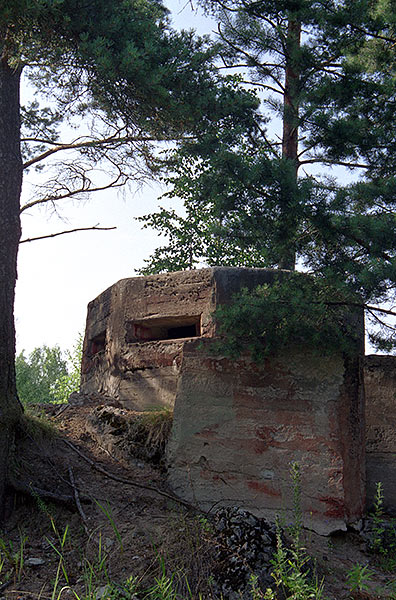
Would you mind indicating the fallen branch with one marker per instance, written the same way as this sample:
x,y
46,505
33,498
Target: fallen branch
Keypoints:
x,y
62,410
52,235
128,481
34,492
5,585
77,500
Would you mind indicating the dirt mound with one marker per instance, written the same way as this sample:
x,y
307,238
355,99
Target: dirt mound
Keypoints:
x,y
112,526
129,434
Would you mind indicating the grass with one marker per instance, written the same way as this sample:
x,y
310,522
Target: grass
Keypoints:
x,y
171,577
182,567
150,433
34,423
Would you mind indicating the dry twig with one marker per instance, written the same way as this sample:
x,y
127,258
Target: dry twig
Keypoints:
x,y
128,481
30,490
77,499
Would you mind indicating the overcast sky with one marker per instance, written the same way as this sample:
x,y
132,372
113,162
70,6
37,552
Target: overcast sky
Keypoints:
x,y
58,277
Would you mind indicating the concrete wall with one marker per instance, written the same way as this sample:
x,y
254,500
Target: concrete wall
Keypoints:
x,y
139,371
120,357
237,428
380,389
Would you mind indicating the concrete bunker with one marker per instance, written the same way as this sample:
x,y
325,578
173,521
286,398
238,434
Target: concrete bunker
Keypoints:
x,y
237,426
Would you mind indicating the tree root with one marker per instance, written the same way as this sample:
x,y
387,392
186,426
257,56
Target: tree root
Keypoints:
x,y
78,501
128,481
27,489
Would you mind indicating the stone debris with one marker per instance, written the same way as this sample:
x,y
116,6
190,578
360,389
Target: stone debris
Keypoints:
x,y
246,546
34,562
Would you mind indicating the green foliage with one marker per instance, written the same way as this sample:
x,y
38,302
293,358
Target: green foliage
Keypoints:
x,y
163,587
383,542
359,577
36,425
70,382
48,375
293,310
378,519
294,576
106,510
14,556
119,74
58,548
252,194
38,373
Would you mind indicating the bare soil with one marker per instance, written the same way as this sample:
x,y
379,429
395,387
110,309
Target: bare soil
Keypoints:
x,y
125,530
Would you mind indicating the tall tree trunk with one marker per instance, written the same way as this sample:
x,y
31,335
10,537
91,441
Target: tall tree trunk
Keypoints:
x,y
290,145
10,190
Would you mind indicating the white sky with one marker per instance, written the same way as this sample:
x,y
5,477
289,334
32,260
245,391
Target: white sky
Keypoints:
x,y
58,277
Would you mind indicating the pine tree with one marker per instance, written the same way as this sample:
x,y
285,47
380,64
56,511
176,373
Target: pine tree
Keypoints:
x,y
327,91
115,63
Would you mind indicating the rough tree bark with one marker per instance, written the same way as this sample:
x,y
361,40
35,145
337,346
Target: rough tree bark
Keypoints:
x,y
10,190
290,141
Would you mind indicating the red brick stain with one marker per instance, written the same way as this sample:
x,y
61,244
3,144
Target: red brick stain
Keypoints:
x,y
209,433
224,477
270,374
246,405
223,365
208,475
262,488
264,439
336,507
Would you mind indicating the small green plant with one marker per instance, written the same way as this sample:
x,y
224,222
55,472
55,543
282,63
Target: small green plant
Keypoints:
x,y
255,590
295,530
358,578
293,573
95,569
205,524
13,557
61,568
383,542
378,519
163,587
106,510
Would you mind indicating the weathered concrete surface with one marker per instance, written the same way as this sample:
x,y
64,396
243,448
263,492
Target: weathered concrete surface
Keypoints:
x,y
380,389
136,330
134,365
238,427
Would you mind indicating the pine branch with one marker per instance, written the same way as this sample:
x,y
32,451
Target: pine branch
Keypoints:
x,y
70,193
380,321
254,62
52,235
89,144
265,86
328,161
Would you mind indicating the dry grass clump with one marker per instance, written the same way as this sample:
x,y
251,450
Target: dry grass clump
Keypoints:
x,y
149,433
